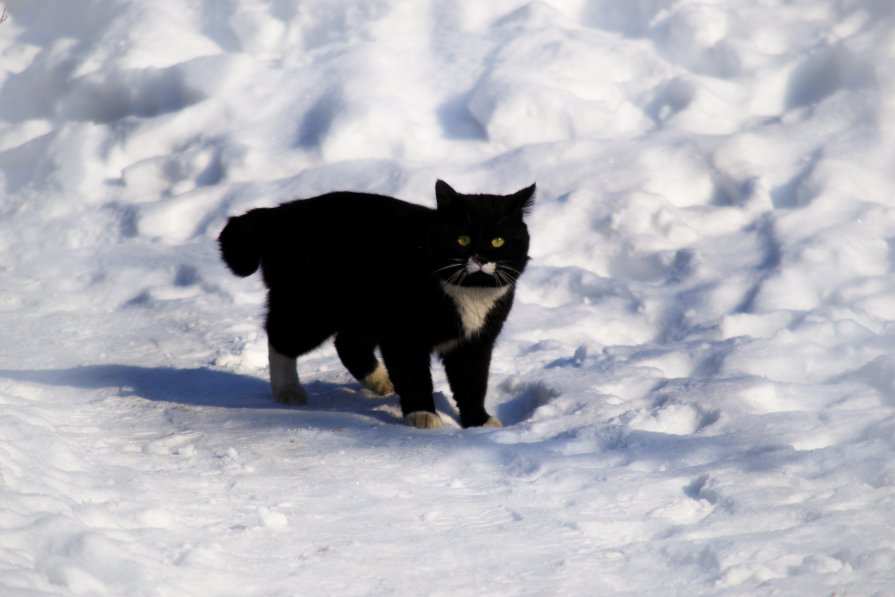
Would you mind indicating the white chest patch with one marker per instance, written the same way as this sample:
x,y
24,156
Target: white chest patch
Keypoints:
x,y
474,304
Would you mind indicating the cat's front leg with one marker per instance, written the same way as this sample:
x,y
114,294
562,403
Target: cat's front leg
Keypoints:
x,y
408,364
467,368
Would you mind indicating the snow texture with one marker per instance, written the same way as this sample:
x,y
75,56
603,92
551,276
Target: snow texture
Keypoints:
x,y
698,378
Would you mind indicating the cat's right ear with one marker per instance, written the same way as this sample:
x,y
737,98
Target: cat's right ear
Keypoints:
x,y
445,196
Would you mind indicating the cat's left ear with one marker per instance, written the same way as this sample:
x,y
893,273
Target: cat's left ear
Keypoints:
x,y
522,201
445,196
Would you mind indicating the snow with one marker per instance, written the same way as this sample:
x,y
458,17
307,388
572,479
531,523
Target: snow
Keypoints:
x,y
697,380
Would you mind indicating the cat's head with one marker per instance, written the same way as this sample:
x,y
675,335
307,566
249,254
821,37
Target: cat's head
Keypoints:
x,y
480,240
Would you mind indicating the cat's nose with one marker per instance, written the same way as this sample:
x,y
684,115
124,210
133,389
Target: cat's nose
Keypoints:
x,y
474,264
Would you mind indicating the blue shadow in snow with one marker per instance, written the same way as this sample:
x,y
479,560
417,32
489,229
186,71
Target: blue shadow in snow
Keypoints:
x,y
195,387
204,387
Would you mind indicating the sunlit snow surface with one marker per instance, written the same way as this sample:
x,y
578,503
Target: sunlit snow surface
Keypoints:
x,y
698,378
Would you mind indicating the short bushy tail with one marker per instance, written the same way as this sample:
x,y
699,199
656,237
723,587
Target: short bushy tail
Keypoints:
x,y
240,242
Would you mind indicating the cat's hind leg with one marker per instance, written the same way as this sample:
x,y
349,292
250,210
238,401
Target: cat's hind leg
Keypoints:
x,y
284,383
378,381
294,327
356,352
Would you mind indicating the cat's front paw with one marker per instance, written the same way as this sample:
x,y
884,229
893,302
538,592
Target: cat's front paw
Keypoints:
x,y
423,419
492,422
292,395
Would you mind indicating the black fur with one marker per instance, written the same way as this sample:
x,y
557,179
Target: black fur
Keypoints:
x,y
370,270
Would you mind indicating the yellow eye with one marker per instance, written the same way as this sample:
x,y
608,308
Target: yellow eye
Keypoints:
x,y
463,240
497,242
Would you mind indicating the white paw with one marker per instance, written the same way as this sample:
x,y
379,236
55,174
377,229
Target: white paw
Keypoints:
x,y
378,382
294,395
422,419
492,422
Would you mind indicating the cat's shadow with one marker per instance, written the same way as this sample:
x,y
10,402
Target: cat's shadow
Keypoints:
x,y
201,386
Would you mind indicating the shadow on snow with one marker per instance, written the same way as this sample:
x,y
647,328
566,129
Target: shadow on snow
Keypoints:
x,y
206,387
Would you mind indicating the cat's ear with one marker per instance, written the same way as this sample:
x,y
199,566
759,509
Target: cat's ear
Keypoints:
x,y
445,196
522,201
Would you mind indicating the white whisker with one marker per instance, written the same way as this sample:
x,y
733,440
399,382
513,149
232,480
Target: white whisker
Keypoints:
x,y
503,265
503,278
457,276
456,263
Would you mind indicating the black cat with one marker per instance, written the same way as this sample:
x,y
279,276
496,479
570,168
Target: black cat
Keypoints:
x,y
377,271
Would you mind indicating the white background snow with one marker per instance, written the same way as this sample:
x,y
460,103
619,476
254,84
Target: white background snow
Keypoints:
x,y
698,378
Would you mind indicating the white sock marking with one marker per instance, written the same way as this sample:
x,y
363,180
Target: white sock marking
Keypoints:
x,y
378,381
422,419
284,381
